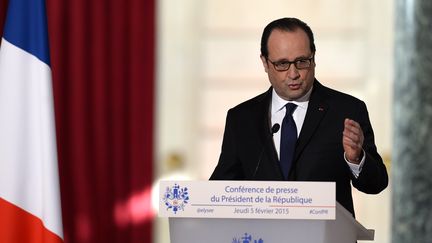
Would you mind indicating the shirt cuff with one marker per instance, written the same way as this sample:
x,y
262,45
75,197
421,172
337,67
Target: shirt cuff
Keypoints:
x,y
356,168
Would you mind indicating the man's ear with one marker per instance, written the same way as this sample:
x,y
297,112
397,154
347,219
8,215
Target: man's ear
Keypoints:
x,y
265,63
314,63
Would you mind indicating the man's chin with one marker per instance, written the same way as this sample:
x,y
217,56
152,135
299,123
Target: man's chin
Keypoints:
x,y
295,94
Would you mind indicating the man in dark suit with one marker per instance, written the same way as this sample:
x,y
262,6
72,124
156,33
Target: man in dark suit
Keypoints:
x,y
326,135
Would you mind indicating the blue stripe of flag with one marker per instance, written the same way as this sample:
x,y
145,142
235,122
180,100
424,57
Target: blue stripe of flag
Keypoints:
x,y
26,27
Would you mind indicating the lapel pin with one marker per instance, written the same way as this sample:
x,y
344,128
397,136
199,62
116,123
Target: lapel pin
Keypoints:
x,y
321,109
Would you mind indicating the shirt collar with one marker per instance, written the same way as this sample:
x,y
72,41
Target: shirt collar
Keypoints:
x,y
278,103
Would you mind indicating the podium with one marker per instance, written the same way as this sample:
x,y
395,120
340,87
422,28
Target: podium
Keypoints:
x,y
345,229
196,216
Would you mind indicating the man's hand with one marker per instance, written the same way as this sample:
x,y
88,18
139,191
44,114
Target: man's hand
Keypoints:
x,y
352,141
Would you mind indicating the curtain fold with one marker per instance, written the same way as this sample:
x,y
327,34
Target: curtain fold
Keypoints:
x,y
103,62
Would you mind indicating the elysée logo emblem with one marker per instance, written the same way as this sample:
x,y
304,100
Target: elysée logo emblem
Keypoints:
x,y
247,238
176,198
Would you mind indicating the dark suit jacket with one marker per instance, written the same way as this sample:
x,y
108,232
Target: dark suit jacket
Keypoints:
x,y
248,151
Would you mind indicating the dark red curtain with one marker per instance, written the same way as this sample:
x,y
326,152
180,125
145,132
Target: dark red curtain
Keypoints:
x,y
3,7
102,55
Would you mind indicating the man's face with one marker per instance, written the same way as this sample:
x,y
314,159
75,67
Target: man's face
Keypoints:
x,y
289,46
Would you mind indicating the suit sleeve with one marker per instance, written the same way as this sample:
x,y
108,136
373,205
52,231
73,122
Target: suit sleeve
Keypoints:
x,y
373,177
228,167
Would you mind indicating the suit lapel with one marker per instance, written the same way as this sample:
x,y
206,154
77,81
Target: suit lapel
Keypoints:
x,y
317,108
265,132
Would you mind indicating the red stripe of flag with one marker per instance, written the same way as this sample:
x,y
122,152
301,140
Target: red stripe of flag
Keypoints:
x,y
17,225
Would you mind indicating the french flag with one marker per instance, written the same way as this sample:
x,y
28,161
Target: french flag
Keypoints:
x,y
30,208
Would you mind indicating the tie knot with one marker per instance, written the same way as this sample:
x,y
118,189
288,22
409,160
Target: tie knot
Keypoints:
x,y
290,107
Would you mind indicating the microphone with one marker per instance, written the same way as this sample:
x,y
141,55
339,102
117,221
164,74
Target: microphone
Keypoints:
x,y
275,128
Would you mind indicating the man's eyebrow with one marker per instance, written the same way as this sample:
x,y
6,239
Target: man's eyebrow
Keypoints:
x,y
296,59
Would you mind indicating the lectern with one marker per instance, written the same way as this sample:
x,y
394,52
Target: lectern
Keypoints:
x,y
239,227
345,229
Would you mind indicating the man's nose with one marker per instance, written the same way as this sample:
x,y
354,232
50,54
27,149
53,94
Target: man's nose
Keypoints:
x,y
292,72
